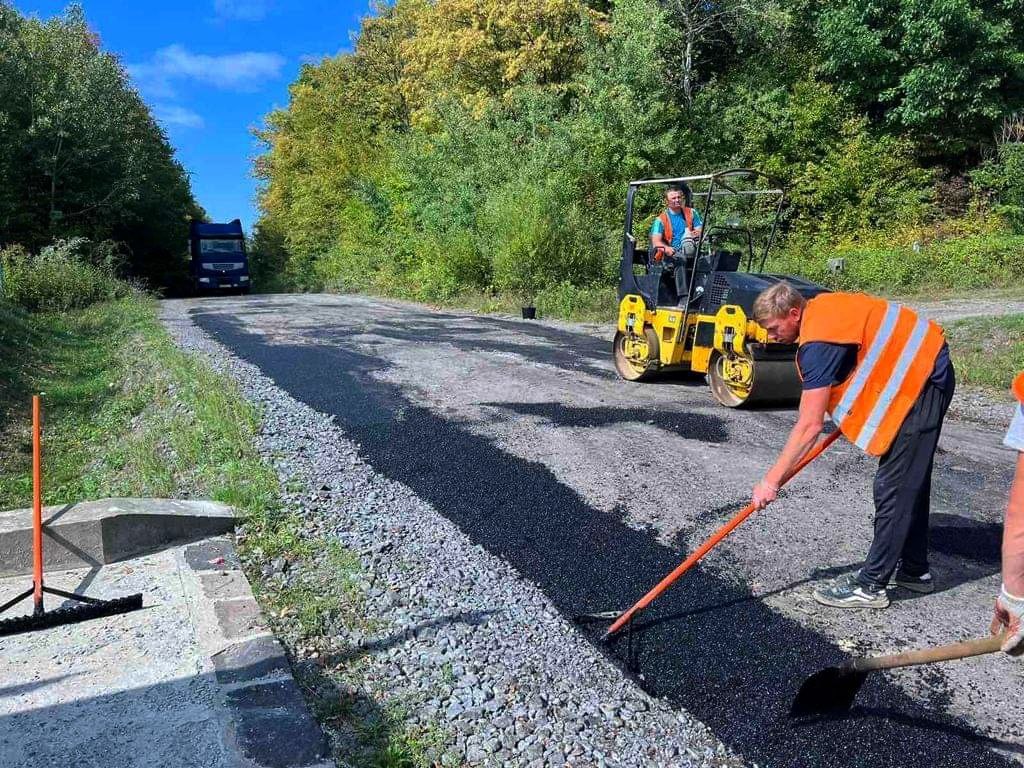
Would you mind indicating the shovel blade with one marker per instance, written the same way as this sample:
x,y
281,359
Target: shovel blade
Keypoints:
x,y
830,691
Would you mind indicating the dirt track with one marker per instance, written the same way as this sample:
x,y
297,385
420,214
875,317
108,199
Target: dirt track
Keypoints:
x,y
594,488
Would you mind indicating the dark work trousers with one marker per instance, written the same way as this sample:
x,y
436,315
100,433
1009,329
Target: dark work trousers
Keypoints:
x,y
903,487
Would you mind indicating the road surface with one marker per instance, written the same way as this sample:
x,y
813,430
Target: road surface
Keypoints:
x,y
594,488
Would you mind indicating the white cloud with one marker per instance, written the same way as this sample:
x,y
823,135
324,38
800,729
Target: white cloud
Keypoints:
x,y
151,81
231,72
242,10
171,114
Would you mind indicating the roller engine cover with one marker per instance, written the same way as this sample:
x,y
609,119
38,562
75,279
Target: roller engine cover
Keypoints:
x,y
743,288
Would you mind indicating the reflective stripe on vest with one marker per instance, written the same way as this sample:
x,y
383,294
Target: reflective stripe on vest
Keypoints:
x,y
896,378
867,366
666,224
896,353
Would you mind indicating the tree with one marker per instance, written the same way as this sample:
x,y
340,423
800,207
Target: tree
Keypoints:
x,y
946,71
482,49
80,154
702,22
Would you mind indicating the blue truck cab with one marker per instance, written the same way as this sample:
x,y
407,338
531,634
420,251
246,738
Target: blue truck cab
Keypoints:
x,y
219,262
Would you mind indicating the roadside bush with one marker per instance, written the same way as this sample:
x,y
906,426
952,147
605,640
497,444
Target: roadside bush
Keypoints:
x,y
60,277
573,302
1001,179
985,260
445,266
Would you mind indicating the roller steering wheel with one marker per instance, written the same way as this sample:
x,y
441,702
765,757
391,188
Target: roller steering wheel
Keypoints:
x,y
687,250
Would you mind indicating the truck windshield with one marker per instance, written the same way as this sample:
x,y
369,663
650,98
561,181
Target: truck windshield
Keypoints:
x,y
220,247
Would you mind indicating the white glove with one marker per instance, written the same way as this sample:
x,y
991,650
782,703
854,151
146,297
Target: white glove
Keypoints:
x,y
1007,618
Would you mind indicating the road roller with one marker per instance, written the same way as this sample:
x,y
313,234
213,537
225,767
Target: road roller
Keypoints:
x,y
693,310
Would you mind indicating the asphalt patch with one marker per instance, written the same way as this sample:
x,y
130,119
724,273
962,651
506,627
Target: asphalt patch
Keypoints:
x,y
706,645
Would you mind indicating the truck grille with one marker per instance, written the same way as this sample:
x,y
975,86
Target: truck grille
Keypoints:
x,y
225,266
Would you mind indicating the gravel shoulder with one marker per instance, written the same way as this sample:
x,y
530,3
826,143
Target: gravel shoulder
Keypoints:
x,y
948,310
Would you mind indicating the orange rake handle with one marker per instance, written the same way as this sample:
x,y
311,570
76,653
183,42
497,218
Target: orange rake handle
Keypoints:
x,y
712,542
37,506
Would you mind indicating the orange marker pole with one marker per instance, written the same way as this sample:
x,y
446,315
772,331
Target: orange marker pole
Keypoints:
x,y
710,544
37,507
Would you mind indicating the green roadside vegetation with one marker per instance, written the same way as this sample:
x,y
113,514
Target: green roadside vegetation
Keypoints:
x,y
81,154
988,351
126,413
476,152
955,266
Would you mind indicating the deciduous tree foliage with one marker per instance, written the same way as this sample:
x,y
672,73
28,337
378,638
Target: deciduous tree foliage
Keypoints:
x,y
945,71
486,144
80,154
479,49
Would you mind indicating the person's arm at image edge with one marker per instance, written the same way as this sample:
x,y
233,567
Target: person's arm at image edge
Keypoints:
x,y
1010,603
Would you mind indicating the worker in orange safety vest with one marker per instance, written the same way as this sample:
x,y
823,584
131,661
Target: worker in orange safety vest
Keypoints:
x,y
884,375
1010,603
674,226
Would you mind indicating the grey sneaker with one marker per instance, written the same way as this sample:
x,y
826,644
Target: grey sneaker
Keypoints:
x,y
847,592
924,584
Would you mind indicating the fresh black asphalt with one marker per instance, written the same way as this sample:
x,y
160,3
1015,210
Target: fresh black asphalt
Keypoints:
x,y
706,645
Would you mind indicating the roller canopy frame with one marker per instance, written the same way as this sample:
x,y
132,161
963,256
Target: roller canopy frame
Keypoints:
x,y
717,186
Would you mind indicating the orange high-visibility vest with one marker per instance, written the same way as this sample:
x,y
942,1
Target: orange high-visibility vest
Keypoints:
x,y
666,224
896,353
1018,387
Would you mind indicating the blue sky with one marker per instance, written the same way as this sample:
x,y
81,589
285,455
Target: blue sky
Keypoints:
x,y
212,69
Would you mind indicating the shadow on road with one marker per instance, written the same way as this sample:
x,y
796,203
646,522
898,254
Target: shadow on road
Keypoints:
x,y
686,424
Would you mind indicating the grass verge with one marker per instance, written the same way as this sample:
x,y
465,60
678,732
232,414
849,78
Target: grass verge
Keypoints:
x,y
987,351
127,413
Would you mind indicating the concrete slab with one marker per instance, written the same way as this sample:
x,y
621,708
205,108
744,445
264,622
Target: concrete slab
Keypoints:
x,y
163,686
93,533
251,660
238,617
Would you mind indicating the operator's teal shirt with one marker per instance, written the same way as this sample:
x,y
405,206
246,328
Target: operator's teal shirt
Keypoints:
x,y
678,226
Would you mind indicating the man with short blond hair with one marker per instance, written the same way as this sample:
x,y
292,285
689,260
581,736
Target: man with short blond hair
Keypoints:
x,y
884,375
777,301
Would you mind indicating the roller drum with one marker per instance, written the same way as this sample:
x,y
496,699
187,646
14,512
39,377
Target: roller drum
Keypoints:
x,y
774,378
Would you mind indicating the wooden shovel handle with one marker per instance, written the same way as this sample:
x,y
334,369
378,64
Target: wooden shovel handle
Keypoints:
x,y
962,650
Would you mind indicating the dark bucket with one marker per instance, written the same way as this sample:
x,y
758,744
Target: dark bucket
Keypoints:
x,y
529,313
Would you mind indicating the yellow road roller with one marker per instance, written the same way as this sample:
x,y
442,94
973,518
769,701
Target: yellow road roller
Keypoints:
x,y
691,310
